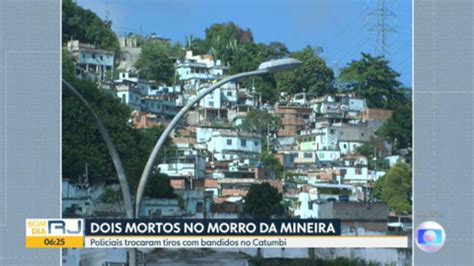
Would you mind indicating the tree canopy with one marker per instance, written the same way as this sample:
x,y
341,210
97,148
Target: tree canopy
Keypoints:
x,y
156,61
261,122
372,78
159,187
262,200
313,76
84,25
394,188
271,162
82,143
398,128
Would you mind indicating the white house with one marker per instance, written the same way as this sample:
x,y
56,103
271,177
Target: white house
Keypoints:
x,y
197,203
325,155
188,161
353,106
324,138
230,93
212,100
229,144
77,197
91,62
199,69
161,105
351,137
128,75
357,174
128,93
306,207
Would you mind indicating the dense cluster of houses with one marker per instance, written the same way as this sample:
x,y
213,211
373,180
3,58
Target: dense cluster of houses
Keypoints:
x,y
214,161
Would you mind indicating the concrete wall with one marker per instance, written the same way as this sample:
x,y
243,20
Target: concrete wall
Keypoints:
x,y
384,256
353,211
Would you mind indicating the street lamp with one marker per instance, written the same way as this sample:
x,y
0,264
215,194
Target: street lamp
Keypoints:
x,y
264,68
127,199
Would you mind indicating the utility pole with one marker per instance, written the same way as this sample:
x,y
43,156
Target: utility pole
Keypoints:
x,y
107,21
382,26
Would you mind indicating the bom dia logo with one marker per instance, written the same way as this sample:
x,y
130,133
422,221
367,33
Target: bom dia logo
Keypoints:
x,y
430,236
54,227
54,233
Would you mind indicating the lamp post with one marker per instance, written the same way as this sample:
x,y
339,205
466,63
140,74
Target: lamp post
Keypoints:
x,y
264,68
127,199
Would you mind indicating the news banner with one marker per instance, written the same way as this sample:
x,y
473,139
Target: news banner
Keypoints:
x,y
194,233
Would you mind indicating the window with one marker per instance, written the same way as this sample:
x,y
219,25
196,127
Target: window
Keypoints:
x,y
358,171
255,143
243,143
344,146
101,57
93,56
229,93
229,141
308,155
211,103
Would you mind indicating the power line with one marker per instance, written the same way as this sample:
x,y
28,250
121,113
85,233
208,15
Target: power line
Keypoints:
x,y
382,26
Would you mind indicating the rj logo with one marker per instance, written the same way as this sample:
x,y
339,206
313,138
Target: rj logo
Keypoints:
x,y
56,225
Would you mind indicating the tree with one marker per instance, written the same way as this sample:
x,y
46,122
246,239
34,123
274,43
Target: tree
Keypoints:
x,y
274,50
398,127
366,149
229,31
159,187
155,63
85,26
262,200
82,143
111,196
372,78
394,188
261,122
271,162
313,76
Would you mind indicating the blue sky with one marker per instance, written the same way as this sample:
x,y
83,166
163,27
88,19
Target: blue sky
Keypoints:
x,y
340,27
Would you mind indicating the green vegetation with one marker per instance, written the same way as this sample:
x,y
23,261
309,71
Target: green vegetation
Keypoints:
x,y
314,76
366,149
236,48
156,61
373,79
262,200
83,144
159,187
394,188
85,26
271,162
369,77
111,196
398,127
261,122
